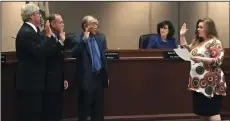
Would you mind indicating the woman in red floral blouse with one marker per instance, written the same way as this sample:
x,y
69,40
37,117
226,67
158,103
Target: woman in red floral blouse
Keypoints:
x,y
206,80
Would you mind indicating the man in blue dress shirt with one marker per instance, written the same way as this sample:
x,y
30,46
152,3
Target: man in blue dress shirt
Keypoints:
x,y
91,70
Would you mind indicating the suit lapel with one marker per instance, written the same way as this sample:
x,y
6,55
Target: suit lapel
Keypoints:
x,y
31,28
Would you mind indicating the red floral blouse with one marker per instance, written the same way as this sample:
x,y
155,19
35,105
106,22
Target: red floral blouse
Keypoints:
x,y
208,79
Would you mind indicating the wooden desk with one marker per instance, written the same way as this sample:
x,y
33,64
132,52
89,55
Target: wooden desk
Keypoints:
x,y
143,87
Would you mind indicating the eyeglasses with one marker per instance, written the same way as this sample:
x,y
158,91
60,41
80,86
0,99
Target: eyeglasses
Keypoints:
x,y
94,24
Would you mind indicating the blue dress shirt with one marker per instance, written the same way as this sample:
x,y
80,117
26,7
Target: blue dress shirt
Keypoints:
x,y
95,54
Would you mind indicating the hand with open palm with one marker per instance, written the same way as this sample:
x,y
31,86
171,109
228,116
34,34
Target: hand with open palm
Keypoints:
x,y
48,30
183,31
87,32
62,35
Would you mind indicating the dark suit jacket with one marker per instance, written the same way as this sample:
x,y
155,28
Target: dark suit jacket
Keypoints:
x,y
31,54
54,66
84,64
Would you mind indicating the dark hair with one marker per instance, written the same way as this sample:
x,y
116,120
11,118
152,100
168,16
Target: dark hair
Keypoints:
x,y
51,17
170,27
210,31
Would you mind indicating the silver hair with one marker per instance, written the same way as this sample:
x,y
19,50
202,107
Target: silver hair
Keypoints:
x,y
27,10
87,19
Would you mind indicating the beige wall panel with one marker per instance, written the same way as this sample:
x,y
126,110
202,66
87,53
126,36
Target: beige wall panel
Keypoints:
x,y
219,12
11,23
122,22
161,11
190,12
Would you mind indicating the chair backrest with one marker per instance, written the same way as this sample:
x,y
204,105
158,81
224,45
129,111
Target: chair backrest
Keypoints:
x,y
144,40
69,38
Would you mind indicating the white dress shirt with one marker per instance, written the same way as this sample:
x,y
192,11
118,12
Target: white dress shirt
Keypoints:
x,y
62,43
33,26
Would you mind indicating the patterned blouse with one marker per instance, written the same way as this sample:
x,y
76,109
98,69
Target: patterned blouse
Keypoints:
x,y
208,79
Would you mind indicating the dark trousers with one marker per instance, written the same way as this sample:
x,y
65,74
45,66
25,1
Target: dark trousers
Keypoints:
x,y
40,106
52,106
30,106
91,102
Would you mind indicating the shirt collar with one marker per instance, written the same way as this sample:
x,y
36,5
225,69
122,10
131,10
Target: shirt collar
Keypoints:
x,y
33,26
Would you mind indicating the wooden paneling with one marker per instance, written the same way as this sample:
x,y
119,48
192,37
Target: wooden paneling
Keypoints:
x,y
140,89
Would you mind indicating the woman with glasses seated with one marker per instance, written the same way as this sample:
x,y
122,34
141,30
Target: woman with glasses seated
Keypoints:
x,y
164,38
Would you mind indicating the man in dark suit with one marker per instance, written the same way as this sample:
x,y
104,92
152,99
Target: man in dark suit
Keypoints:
x,y
31,71
91,70
55,82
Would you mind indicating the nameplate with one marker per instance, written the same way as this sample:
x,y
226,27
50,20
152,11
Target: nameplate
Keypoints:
x,y
170,55
3,58
112,55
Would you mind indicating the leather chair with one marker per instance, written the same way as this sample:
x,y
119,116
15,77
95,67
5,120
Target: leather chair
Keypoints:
x,y
144,40
69,38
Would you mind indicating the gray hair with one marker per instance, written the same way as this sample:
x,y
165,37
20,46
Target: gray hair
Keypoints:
x,y
87,19
27,10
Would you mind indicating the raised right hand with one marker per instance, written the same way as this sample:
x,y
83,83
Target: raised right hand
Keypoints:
x,y
48,30
86,33
183,30
62,35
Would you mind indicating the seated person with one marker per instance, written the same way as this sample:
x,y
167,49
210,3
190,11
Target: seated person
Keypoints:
x,y
164,38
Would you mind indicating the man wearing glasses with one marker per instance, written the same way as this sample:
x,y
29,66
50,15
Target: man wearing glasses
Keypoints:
x,y
91,70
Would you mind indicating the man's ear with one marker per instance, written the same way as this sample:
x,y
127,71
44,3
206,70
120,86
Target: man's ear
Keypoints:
x,y
85,26
30,16
52,24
